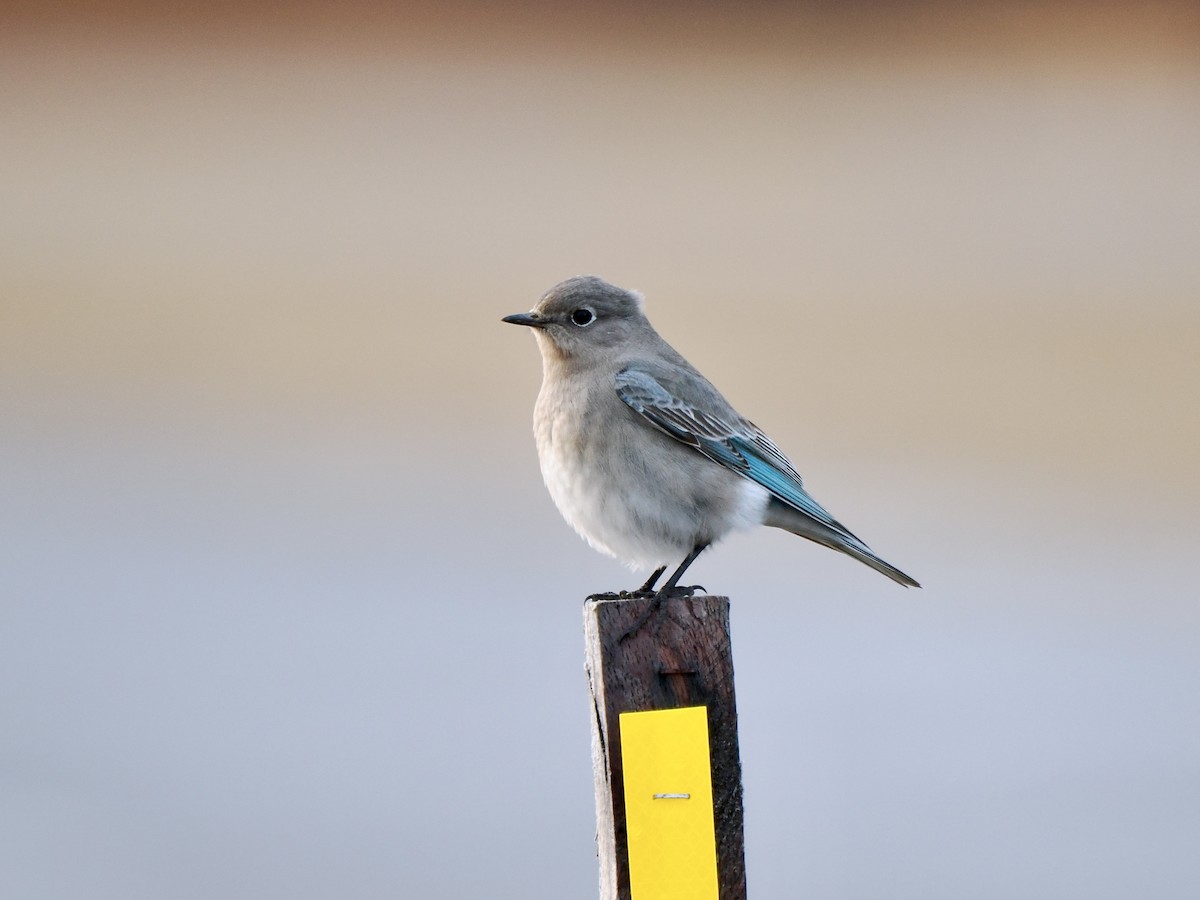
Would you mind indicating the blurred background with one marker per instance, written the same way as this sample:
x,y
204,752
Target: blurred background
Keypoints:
x,y
286,610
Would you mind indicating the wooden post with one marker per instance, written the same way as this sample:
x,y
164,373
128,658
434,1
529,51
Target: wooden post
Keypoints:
x,y
680,657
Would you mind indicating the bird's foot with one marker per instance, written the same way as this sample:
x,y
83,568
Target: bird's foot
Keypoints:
x,y
679,590
623,595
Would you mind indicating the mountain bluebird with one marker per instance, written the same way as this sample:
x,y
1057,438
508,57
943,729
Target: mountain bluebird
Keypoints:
x,y
642,455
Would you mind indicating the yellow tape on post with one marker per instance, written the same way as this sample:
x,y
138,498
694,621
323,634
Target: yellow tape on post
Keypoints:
x,y
669,804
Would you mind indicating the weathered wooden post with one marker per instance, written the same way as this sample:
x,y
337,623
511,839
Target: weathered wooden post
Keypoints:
x,y
684,834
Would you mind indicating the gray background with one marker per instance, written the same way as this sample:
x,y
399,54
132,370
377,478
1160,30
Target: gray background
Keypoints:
x,y
286,611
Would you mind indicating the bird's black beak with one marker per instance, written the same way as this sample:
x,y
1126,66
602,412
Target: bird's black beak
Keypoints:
x,y
530,319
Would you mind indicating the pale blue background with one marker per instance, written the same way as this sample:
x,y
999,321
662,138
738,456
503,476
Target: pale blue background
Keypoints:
x,y
286,611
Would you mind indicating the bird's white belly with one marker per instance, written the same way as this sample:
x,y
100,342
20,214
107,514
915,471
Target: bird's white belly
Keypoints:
x,y
646,521
610,520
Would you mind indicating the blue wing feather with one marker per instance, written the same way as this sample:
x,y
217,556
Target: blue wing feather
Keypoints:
x,y
783,484
738,445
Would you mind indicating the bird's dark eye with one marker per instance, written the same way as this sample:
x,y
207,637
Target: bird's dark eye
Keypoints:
x,y
583,316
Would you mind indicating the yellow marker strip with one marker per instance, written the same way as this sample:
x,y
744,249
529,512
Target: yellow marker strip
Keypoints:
x,y
669,805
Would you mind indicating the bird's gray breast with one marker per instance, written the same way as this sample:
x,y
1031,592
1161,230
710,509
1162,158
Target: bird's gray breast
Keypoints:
x,y
628,489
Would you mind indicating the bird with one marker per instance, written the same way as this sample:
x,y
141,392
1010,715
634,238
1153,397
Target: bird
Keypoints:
x,y
643,456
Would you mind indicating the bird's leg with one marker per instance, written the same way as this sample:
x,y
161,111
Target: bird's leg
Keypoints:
x,y
668,590
671,589
647,589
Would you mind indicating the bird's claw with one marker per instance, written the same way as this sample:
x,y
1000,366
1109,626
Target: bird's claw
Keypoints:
x,y
680,590
625,595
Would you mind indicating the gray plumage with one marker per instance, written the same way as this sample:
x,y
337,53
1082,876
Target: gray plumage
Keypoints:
x,y
642,455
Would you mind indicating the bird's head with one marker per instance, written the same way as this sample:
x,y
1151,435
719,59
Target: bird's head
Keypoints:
x,y
585,318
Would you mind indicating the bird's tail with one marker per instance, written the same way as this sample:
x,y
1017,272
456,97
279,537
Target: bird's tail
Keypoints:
x,y
781,515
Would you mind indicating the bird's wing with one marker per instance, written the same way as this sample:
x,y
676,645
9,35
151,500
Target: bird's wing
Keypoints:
x,y
725,438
